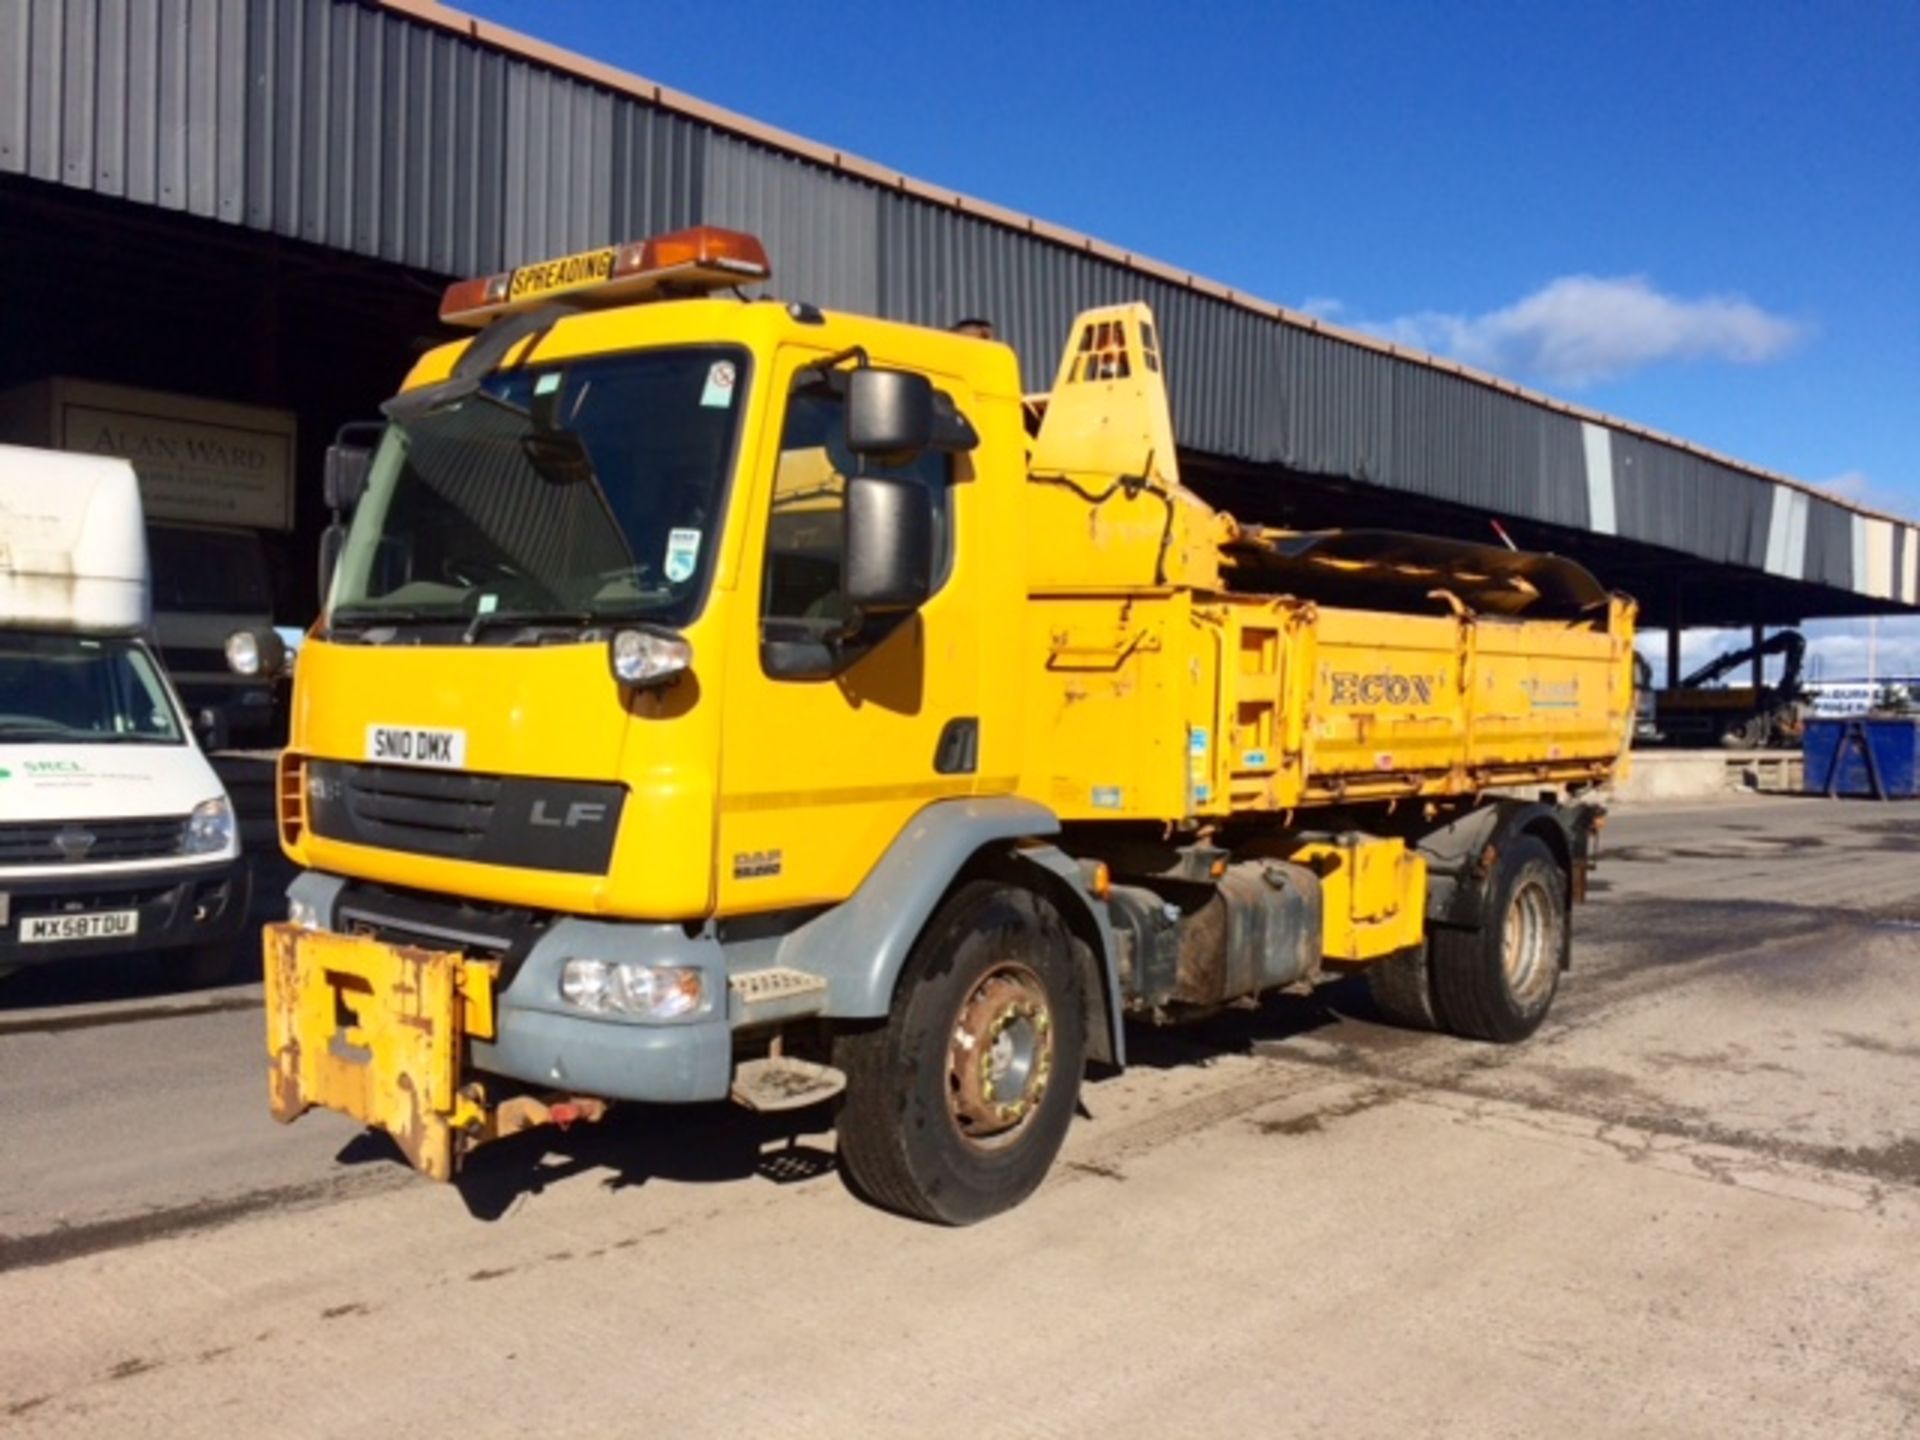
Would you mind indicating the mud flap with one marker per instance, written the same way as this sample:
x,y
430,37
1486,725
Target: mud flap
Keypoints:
x,y
377,1032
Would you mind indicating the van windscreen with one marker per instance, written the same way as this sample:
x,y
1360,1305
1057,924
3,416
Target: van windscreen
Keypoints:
x,y
81,689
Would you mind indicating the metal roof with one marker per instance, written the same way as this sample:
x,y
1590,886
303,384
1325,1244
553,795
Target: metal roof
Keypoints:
x,y
411,132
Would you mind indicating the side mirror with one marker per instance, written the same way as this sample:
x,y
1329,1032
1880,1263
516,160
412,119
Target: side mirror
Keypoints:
x,y
344,480
889,412
208,730
889,557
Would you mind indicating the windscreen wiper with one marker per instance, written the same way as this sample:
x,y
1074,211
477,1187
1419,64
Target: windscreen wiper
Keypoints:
x,y
375,619
488,619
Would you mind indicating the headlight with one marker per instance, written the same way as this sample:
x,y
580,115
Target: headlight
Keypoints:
x,y
659,992
243,653
209,828
252,653
647,657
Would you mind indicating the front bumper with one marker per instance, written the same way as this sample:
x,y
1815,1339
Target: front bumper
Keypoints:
x,y
663,1064
545,1042
412,1032
191,905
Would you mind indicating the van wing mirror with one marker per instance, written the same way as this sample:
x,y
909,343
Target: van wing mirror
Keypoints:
x,y
889,540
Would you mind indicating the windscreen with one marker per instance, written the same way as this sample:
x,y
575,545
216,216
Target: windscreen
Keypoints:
x,y
585,491
74,689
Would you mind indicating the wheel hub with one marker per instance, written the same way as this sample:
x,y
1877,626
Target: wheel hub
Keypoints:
x,y
1001,1055
1526,940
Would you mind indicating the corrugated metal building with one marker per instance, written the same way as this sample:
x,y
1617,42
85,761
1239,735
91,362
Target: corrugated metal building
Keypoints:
x,y
296,145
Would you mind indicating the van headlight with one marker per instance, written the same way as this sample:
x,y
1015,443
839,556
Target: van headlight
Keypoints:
x,y
657,992
209,828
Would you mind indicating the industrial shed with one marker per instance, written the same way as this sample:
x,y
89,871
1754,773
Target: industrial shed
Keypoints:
x,y
258,201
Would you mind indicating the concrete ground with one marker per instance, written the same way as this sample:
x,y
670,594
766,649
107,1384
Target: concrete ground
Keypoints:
x,y
1690,1206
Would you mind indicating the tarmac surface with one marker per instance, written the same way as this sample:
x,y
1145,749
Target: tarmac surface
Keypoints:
x,y
1689,1206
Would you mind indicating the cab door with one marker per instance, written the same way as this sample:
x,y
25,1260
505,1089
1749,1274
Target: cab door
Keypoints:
x,y
837,729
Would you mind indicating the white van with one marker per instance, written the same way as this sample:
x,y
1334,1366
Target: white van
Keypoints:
x,y
115,834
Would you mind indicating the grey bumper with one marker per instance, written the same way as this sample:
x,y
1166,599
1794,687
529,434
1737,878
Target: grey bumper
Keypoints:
x,y
610,1059
543,1041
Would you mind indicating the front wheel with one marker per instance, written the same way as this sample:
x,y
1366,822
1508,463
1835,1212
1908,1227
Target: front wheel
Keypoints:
x,y
956,1105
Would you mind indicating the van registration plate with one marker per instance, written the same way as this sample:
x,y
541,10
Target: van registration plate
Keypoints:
x,y
98,925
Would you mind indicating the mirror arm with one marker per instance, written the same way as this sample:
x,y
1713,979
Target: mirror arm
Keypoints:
x,y
826,370
953,432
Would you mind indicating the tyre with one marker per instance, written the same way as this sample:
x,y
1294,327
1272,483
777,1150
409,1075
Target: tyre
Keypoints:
x,y
956,1106
1401,990
1497,982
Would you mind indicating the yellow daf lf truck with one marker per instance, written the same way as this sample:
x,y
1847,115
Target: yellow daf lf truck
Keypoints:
x,y
720,698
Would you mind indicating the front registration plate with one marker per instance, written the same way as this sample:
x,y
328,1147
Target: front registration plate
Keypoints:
x,y
417,745
98,925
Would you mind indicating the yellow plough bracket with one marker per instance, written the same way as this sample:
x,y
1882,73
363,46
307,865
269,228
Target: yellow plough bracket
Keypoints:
x,y
378,1032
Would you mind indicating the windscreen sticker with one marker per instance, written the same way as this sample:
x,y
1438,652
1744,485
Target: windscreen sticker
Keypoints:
x,y
683,554
547,383
486,604
719,392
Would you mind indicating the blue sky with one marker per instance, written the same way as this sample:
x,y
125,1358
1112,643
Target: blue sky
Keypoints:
x,y
1703,217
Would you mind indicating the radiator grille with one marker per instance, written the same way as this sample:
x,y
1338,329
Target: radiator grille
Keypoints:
x,y
42,842
516,820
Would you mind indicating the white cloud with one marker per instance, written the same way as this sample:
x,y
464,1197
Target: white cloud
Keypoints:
x,y
1321,307
1836,649
1580,329
1839,649
1862,489
1848,485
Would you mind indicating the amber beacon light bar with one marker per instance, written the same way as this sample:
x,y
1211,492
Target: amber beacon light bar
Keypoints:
x,y
684,262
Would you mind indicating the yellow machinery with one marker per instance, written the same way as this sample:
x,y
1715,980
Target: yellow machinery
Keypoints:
x,y
718,697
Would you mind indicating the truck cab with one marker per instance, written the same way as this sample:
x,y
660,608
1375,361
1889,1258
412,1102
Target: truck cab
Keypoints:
x,y
115,834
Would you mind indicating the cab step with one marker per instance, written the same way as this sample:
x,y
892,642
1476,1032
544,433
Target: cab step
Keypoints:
x,y
782,1082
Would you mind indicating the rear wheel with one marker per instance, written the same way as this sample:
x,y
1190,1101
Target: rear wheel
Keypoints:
x,y
957,1105
1401,990
1498,982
